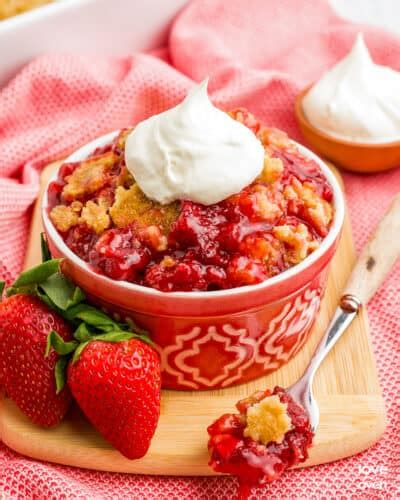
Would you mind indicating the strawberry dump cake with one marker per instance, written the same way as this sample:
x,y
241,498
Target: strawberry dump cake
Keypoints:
x,y
139,213
269,434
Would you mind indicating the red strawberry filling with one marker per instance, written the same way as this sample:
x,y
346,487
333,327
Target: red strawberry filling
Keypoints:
x,y
252,461
120,254
266,228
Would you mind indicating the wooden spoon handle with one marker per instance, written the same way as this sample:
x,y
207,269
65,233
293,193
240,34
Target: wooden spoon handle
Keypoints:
x,y
378,257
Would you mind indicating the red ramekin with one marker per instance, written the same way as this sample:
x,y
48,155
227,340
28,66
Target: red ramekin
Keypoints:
x,y
215,339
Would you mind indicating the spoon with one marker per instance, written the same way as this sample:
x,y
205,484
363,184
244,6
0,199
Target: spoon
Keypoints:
x,y
371,268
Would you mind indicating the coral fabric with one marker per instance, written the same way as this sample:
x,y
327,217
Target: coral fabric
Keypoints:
x,y
258,54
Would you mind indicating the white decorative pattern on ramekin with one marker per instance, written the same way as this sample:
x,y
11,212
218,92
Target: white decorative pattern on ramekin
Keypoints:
x,y
294,319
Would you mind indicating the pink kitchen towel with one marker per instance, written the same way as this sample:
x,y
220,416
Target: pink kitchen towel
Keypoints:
x,y
258,54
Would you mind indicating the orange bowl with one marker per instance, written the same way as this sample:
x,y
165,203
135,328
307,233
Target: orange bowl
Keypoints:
x,y
355,156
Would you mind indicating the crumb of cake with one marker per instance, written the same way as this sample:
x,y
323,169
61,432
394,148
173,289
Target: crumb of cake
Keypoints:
x,y
121,139
105,198
266,249
125,178
10,8
95,217
76,206
266,205
319,210
90,176
153,236
132,206
167,261
299,240
321,214
290,193
64,217
267,421
244,116
273,169
273,136
257,247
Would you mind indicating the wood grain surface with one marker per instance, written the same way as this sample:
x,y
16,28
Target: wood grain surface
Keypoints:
x,y
346,388
378,256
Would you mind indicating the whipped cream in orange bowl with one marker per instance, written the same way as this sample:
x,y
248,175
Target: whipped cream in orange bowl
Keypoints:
x,y
356,100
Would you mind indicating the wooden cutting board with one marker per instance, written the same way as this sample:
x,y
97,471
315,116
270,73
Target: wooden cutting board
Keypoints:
x,y
346,387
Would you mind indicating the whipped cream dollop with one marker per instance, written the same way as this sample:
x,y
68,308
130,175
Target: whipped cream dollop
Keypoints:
x,y
193,151
356,99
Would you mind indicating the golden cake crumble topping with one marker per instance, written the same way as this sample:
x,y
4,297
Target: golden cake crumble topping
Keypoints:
x,y
132,206
267,421
319,210
88,177
298,240
66,216
10,8
95,216
273,168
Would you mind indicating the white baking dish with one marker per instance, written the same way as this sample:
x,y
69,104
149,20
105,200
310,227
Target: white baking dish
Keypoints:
x,y
125,26
101,26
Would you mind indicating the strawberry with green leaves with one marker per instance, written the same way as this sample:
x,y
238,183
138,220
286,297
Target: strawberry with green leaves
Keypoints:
x,y
117,386
26,374
113,372
114,377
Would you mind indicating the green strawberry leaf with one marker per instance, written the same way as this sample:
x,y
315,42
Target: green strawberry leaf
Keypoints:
x,y
46,255
84,336
59,373
83,333
93,317
78,352
77,297
44,298
62,292
115,336
59,345
37,274
119,336
2,286
27,290
58,290
144,337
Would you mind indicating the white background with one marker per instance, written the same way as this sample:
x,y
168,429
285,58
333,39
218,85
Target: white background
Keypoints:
x,y
385,13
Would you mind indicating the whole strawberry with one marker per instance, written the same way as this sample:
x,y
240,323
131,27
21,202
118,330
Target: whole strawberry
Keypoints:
x,y
117,385
25,373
